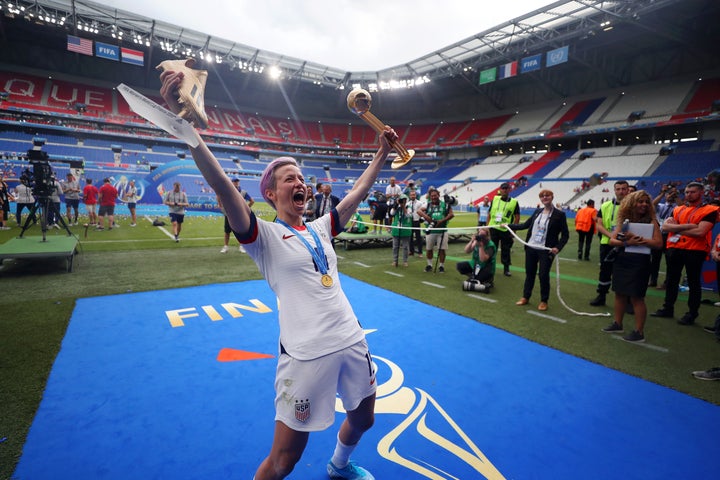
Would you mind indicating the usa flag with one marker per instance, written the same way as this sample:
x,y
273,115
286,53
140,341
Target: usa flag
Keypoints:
x,y
80,45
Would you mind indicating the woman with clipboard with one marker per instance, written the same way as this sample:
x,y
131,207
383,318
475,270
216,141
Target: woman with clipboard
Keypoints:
x,y
638,232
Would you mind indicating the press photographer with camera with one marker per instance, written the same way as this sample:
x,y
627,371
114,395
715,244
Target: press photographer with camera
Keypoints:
x,y
437,214
481,269
4,203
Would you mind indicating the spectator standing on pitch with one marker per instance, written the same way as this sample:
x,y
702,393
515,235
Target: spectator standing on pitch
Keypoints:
x,y
483,211
4,203
326,201
663,211
632,263
24,199
437,214
414,206
90,197
503,210
585,220
71,189
310,205
688,244
107,197
176,200
53,216
401,229
547,227
131,198
606,223
249,200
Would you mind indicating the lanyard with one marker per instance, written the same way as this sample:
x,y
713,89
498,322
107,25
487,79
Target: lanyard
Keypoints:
x,y
318,253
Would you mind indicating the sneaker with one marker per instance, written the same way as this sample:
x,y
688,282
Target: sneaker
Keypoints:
x,y
634,337
428,268
242,249
351,471
176,239
613,328
598,301
224,249
712,374
687,319
506,272
663,313
441,269
132,225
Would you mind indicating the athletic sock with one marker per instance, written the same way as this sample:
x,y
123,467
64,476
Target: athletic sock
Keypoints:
x,y
342,453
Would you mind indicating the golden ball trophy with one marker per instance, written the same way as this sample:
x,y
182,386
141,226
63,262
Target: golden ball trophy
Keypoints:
x,y
359,101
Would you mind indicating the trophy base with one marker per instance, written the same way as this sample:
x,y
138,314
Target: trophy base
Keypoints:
x,y
401,161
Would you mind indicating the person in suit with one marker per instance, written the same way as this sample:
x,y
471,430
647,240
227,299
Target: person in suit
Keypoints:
x,y
325,202
547,227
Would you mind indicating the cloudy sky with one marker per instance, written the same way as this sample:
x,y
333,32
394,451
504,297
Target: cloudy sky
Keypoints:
x,y
366,35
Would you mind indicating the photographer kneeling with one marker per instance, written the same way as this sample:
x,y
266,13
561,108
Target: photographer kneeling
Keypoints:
x,y
481,269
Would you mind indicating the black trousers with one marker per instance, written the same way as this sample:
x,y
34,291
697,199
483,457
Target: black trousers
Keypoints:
x,y
586,239
537,263
503,241
416,238
606,268
692,261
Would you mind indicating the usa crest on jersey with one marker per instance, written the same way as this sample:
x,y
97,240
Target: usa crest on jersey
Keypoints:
x,y
302,410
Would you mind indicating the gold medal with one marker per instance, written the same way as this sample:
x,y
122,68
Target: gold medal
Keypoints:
x,y
326,280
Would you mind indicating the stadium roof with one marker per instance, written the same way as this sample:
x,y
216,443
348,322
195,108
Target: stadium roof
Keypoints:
x,y
611,44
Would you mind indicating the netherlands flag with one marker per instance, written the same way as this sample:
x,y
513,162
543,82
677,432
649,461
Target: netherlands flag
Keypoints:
x,y
135,57
508,70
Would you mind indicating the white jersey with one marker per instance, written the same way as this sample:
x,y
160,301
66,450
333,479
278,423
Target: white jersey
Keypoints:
x,y
314,320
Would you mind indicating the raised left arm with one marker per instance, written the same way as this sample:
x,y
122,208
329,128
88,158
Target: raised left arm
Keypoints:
x,y
349,204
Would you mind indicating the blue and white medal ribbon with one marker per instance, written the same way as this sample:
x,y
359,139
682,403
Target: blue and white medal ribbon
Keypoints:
x,y
318,253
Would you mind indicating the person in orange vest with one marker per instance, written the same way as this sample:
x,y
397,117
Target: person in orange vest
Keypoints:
x,y
688,244
585,219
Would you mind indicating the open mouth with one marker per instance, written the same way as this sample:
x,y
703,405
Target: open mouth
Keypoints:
x,y
299,197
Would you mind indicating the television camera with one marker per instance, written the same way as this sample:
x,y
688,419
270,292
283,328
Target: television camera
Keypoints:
x,y
41,179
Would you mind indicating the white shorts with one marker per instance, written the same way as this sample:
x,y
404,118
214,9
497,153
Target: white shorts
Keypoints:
x,y
305,389
433,239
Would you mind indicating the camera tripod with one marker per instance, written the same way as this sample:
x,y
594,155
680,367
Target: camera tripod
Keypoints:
x,y
45,206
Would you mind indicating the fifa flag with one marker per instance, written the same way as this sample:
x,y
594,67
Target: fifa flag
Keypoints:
x,y
556,57
530,64
135,57
508,70
80,45
487,76
103,50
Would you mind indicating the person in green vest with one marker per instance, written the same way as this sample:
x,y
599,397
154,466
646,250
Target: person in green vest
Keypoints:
x,y
357,224
605,223
437,214
503,210
481,269
401,230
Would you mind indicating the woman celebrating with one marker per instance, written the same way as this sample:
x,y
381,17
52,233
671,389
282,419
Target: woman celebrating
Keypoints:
x,y
322,345
547,227
636,234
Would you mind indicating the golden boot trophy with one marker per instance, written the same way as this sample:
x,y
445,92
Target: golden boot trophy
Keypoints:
x,y
191,91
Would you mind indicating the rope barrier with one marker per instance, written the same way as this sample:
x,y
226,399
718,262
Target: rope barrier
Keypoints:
x,y
523,242
557,283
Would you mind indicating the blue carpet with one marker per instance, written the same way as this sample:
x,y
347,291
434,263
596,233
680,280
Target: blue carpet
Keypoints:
x,y
131,396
